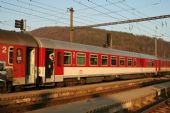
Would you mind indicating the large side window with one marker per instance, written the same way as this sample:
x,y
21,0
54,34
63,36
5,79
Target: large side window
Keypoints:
x,y
153,64
67,58
104,60
129,61
81,59
149,63
113,61
19,55
93,59
135,62
10,55
122,61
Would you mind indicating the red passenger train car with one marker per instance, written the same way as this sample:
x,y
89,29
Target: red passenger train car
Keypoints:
x,y
26,60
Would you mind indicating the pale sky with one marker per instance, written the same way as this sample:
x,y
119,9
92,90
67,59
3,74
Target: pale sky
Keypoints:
x,y
42,13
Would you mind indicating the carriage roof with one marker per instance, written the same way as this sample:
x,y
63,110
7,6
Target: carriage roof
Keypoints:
x,y
56,44
8,37
16,38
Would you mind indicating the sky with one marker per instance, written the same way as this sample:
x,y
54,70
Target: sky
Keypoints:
x,y
42,13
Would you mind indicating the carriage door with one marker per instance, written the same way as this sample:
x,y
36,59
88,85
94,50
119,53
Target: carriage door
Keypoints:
x,y
30,65
19,65
49,65
59,62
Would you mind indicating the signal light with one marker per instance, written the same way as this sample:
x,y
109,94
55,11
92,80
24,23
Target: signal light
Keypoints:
x,y
20,24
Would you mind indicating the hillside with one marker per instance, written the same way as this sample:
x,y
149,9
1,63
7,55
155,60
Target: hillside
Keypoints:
x,y
121,40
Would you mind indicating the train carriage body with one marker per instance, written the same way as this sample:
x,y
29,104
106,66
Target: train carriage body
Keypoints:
x,y
81,61
18,55
27,60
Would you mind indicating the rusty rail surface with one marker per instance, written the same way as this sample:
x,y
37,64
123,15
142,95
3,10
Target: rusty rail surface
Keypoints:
x,y
162,107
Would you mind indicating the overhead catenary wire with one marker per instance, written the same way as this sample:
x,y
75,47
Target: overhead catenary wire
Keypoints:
x,y
28,14
33,10
107,10
110,10
55,12
129,21
94,9
108,4
78,2
139,12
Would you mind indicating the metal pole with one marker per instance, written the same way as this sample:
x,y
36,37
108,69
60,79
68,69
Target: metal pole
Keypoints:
x,y
71,24
109,40
156,54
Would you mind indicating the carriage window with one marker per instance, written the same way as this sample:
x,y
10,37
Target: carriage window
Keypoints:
x,y
67,58
104,60
152,63
81,59
129,61
113,61
149,63
135,62
19,56
10,55
122,61
93,59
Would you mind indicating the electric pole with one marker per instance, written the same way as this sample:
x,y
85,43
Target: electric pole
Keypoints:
x,y
156,54
71,24
109,40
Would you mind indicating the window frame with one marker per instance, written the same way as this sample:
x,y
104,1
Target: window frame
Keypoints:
x,y
120,61
96,58
70,58
104,58
129,58
17,56
83,57
148,63
111,60
152,63
135,62
10,47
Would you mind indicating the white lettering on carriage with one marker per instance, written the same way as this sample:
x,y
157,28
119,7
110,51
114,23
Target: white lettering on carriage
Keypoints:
x,y
4,49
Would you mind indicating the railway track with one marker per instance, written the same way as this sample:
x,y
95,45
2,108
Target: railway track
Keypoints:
x,y
31,100
162,107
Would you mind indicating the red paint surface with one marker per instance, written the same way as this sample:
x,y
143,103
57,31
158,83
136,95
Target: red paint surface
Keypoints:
x,y
59,69
41,57
4,53
19,68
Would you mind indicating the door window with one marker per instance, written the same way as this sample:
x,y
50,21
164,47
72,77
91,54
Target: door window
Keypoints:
x,y
10,55
19,56
59,59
